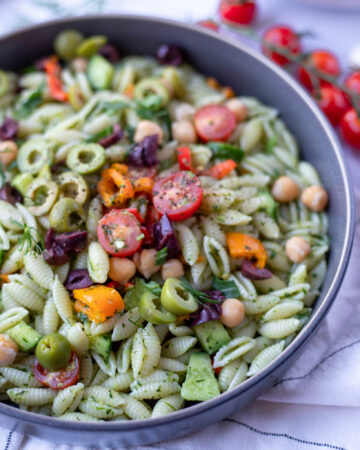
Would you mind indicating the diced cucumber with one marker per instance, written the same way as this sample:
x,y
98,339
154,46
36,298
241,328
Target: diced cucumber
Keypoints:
x,y
200,383
212,335
100,72
24,335
269,204
101,345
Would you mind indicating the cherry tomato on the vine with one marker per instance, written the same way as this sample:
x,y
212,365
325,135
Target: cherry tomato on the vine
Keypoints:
x,y
333,103
210,24
239,12
350,128
283,37
353,82
322,61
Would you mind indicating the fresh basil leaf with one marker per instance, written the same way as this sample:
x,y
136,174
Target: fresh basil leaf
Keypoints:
x,y
27,105
226,151
161,256
227,288
101,134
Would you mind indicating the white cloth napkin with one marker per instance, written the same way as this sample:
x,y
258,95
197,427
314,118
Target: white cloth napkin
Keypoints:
x,y
316,405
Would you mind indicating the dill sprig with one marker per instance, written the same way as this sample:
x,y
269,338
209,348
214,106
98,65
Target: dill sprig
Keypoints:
x,y
200,296
30,238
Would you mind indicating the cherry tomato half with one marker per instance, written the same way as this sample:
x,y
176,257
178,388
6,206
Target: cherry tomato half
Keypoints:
x,y
322,61
353,82
350,128
179,195
119,233
239,12
62,378
214,122
334,103
283,37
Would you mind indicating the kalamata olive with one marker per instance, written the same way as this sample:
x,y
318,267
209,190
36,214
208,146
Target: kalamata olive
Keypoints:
x,y
249,270
78,279
169,54
113,138
8,129
144,153
10,194
110,52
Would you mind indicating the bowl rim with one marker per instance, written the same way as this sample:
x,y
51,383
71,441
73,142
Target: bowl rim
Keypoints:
x,y
312,325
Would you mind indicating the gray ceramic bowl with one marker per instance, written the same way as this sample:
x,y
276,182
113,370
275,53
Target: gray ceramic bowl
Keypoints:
x,y
248,73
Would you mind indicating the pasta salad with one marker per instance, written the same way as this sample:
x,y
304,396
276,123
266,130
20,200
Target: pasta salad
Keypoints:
x,y
160,239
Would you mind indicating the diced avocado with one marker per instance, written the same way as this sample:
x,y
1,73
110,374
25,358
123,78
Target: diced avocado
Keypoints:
x,y
24,335
269,204
100,72
200,383
101,345
212,335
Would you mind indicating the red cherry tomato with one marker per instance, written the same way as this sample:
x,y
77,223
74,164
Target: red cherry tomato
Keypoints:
x,y
62,378
210,24
334,103
214,122
353,82
350,128
239,12
118,233
283,37
147,236
184,158
322,61
179,195
136,214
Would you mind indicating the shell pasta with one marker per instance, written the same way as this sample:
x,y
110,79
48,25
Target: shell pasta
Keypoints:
x,y
161,241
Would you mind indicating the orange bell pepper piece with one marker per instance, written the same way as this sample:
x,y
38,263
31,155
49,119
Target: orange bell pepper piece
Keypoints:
x,y
144,184
98,302
53,71
222,169
115,188
244,246
121,168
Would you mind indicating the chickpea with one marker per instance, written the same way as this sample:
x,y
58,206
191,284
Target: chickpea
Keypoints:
x,y
80,64
184,131
121,269
297,249
145,262
238,108
147,128
172,269
315,198
8,350
8,152
285,190
184,111
232,312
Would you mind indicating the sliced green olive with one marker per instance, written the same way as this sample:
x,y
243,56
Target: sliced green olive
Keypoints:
x,y
40,196
66,215
86,158
76,98
176,299
45,172
67,42
73,185
153,91
21,182
148,307
53,351
91,45
171,75
4,83
34,154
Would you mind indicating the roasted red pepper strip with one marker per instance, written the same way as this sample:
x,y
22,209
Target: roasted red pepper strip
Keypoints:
x,y
222,169
184,159
53,71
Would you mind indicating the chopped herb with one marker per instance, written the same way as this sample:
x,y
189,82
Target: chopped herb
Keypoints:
x,y
27,105
228,288
30,239
136,322
101,134
200,296
141,236
161,256
114,107
154,287
270,144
